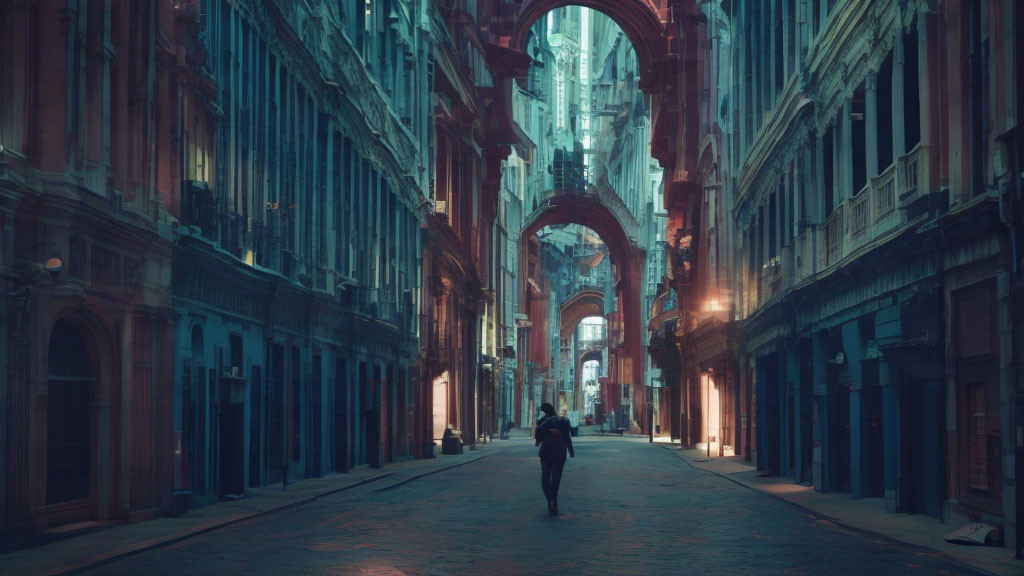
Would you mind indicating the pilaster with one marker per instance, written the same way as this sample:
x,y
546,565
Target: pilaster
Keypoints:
x,y
853,351
845,152
899,138
819,366
891,430
871,125
795,386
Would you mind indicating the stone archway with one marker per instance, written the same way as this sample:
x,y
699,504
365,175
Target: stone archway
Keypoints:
x,y
70,436
581,305
640,21
596,209
77,450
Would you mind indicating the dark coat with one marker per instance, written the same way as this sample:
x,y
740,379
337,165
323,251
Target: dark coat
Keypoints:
x,y
554,437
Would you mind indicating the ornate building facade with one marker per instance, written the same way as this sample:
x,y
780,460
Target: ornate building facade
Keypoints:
x,y
87,192
872,159
248,243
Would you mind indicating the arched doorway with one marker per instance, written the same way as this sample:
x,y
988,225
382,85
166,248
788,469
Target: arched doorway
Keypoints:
x,y
70,430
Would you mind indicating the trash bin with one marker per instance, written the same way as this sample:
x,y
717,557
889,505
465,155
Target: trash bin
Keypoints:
x,y
179,503
451,442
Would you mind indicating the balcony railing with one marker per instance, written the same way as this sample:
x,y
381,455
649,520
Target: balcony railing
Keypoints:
x,y
918,176
831,240
771,280
859,217
804,255
887,203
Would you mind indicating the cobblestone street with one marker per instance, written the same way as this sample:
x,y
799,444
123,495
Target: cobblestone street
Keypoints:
x,y
627,508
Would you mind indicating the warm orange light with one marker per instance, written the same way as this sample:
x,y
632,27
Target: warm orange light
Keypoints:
x,y
713,305
54,264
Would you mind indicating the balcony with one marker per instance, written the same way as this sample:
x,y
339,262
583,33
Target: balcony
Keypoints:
x,y
918,177
771,280
889,202
910,175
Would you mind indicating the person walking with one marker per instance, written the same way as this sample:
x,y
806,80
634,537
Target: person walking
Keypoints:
x,y
555,440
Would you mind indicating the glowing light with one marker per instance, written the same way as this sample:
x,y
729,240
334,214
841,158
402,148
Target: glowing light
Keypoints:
x,y
713,305
54,264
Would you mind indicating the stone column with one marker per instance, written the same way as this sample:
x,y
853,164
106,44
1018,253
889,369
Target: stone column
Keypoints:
x,y
632,296
899,136
773,79
764,246
787,69
795,385
817,156
784,390
844,152
740,87
927,81
871,126
755,64
780,219
766,449
853,350
837,172
891,429
819,473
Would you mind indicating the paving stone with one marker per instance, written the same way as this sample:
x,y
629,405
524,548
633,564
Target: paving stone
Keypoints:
x,y
627,508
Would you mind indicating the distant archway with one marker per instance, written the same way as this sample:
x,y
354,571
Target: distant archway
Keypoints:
x,y
596,209
579,306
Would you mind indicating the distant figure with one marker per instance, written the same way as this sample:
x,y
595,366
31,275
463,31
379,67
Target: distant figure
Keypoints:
x,y
554,438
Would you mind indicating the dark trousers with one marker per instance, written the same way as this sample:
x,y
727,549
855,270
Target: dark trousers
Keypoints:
x,y
551,477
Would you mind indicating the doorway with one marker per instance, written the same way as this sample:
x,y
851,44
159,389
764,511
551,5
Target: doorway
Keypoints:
x,y
923,451
440,405
711,415
341,415
231,422
69,427
842,415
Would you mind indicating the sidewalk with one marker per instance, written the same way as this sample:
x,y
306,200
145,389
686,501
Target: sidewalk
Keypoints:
x,y
863,515
79,553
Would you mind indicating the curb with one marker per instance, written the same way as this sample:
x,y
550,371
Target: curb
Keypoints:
x,y
428,473
863,531
175,539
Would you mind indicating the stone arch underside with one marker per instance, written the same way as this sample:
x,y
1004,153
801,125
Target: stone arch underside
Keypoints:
x,y
599,208
640,21
596,209
579,306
